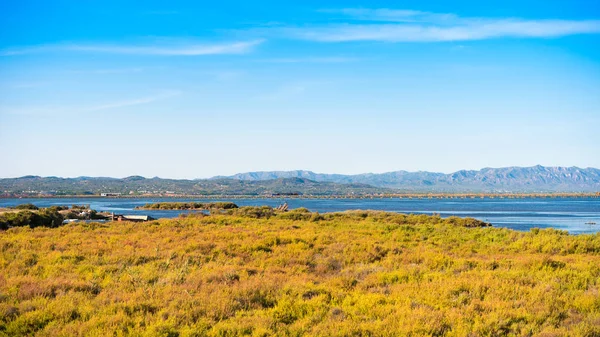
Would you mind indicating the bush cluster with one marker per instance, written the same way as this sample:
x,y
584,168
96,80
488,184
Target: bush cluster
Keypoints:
x,y
44,217
190,205
27,206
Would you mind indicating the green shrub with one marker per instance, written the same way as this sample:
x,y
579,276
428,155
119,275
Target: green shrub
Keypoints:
x,y
256,212
44,217
27,206
190,206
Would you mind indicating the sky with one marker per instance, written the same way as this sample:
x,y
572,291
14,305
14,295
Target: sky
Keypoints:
x,y
194,89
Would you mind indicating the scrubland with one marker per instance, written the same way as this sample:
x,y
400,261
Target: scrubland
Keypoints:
x,y
257,273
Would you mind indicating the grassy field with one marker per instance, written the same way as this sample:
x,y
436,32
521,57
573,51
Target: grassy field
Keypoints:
x,y
344,274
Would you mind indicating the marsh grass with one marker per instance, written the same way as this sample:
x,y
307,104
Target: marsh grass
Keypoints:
x,y
299,273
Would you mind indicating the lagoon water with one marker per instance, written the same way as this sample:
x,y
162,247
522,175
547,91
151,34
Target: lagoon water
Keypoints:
x,y
571,214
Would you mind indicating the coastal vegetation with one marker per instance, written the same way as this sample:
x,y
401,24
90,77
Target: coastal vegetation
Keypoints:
x,y
257,272
45,217
28,206
33,216
188,206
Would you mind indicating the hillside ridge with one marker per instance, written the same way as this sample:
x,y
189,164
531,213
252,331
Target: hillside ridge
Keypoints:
x,y
506,179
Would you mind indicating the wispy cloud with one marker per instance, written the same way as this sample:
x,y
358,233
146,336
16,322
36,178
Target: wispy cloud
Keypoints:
x,y
390,25
159,49
131,102
294,90
51,110
393,15
109,71
331,59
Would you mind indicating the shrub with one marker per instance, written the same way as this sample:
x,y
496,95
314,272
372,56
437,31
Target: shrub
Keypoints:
x,y
190,206
44,217
256,212
27,206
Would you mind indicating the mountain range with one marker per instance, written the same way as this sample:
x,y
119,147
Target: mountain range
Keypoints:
x,y
491,180
507,179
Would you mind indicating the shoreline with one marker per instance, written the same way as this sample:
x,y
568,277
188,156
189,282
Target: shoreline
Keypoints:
x,y
366,196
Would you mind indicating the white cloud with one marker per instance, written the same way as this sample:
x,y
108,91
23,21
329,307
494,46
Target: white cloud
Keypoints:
x,y
109,71
421,33
294,90
330,59
394,15
160,49
51,110
137,101
417,26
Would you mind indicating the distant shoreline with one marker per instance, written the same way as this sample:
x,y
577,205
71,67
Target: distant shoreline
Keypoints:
x,y
377,196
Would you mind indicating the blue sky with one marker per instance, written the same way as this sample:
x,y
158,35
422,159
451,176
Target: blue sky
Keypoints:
x,y
188,89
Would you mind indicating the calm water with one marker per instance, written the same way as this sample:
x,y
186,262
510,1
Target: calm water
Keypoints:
x,y
569,214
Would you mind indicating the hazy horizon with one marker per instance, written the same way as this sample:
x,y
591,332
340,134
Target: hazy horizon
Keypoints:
x,y
190,90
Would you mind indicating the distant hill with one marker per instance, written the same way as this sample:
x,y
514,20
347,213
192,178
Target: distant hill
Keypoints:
x,y
506,179
141,185
493,180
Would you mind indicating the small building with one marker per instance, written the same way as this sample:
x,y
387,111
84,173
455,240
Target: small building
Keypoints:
x,y
132,218
110,194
